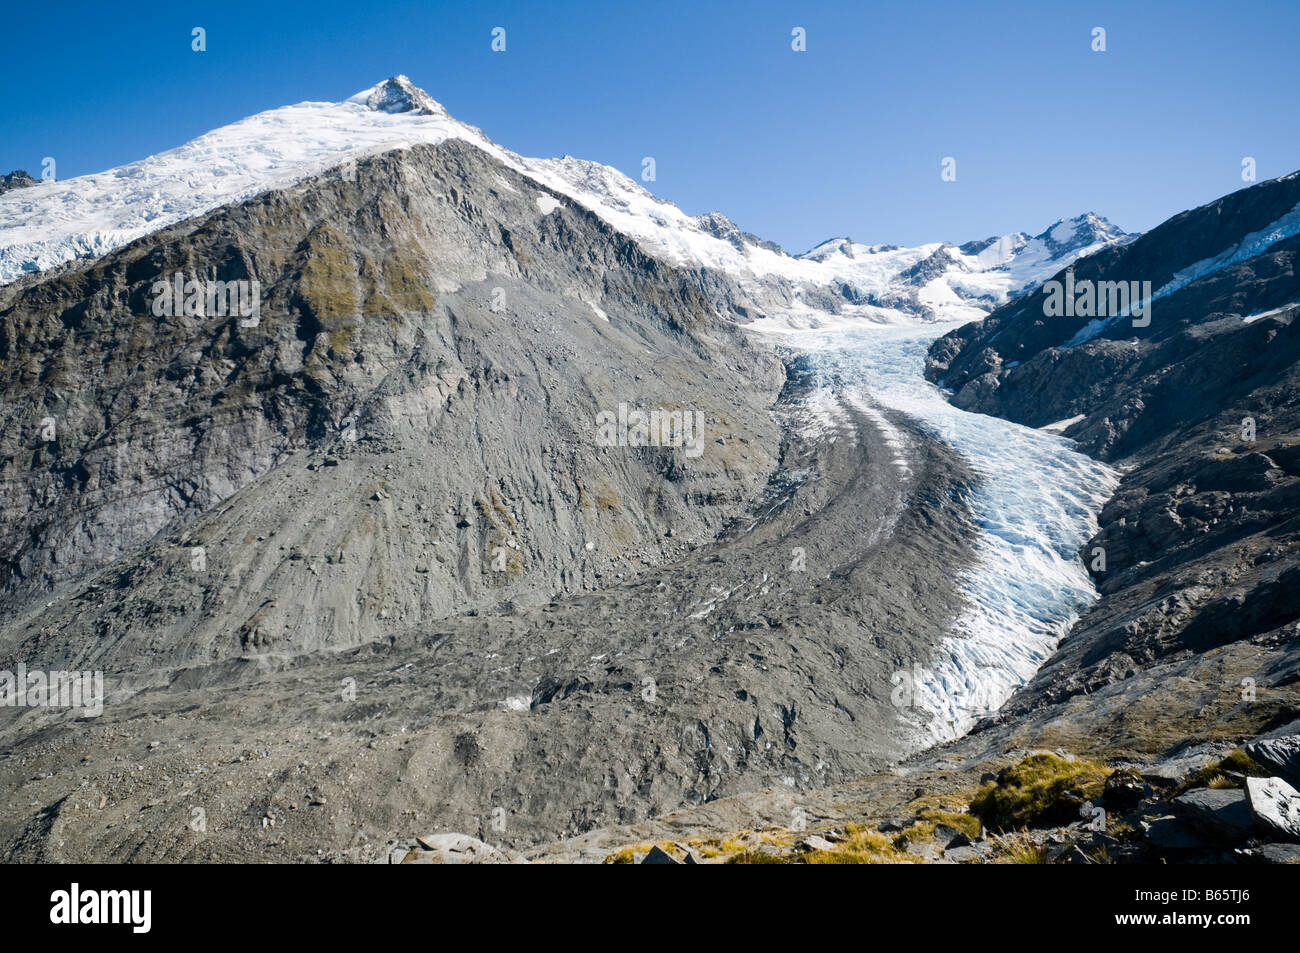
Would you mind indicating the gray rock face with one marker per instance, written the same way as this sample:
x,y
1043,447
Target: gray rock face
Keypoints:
x,y
17,179
430,330
1173,771
1169,833
380,525
814,842
1272,854
1222,815
1280,754
1276,805
457,849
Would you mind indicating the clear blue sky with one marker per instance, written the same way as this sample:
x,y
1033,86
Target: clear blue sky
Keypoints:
x,y
844,139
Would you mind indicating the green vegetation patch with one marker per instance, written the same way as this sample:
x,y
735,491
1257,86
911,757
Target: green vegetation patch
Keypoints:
x,y
1219,774
1042,790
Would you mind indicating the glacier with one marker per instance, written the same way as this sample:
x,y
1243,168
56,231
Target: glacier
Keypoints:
x,y
1036,503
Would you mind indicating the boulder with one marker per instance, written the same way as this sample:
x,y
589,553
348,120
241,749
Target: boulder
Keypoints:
x,y
690,857
923,849
1220,814
1279,754
658,856
1276,805
1173,771
962,855
950,837
1124,790
1271,854
1066,854
813,842
456,849
1169,833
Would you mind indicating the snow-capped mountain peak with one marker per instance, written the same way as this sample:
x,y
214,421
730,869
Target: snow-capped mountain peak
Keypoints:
x,y
89,216
398,95
1071,234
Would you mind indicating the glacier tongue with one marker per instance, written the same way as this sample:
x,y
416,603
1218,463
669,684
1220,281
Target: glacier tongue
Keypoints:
x,y
1036,503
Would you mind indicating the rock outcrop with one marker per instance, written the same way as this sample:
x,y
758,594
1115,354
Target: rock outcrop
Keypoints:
x,y
408,432
17,179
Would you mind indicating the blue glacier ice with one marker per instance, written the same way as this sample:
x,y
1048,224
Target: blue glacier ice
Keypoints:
x,y
1036,502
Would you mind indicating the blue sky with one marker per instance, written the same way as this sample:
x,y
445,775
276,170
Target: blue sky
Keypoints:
x,y
843,139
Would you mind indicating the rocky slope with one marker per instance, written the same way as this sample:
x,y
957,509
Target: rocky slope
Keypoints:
x,y
364,557
362,572
431,356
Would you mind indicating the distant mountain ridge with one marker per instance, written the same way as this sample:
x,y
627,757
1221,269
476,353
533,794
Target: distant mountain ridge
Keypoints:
x,y
943,281
88,216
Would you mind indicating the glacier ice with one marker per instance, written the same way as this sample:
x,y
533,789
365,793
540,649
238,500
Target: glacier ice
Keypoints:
x,y
1036,503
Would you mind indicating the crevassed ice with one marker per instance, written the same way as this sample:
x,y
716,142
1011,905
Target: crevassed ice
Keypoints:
x,y
1036,504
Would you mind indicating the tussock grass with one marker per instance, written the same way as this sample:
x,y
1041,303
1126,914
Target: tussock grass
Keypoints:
x,y
718,847
1042,789
759,857
860,846
1017,849
930,818
1214,775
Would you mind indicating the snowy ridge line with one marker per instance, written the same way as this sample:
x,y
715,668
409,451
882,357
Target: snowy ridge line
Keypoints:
x,y
91,215
86,217
1261,315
